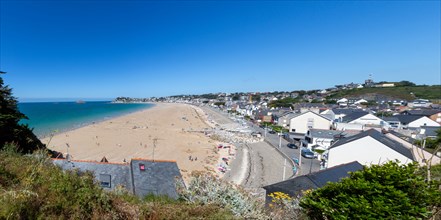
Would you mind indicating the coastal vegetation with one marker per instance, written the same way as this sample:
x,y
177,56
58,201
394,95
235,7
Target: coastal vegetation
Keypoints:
x,y
404,92
285,102
10,129
390,191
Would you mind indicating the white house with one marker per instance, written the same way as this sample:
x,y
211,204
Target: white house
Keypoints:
x,y
337,114
341,126
415,121
301,123
360,102
342,102
363,118
284,119
420,103
368,147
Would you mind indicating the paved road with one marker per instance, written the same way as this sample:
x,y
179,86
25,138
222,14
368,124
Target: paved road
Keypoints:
x,y
257,164
306,166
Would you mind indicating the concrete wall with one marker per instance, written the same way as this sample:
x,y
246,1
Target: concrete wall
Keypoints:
x,y
366,151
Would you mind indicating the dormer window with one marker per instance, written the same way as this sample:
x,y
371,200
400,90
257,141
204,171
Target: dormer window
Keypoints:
x,y
105,180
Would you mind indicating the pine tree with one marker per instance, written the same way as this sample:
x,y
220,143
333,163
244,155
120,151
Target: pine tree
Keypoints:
x,y
10,129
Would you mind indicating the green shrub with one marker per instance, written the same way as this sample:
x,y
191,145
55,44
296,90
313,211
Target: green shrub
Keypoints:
x,y
391,191
205,189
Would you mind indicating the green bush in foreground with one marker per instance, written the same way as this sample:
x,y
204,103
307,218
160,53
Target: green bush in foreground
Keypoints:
x,y
388,191
205,189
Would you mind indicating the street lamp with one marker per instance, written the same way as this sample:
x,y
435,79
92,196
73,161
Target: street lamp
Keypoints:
x,y
300,154
265,129
280,140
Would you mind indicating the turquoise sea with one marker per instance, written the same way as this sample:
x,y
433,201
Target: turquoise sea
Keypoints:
x,y
47,117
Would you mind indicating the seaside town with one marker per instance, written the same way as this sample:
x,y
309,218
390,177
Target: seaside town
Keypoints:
x,y
220,110
277,146
318,135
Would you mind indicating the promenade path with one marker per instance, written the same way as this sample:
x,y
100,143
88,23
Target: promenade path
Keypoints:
x,y
256,164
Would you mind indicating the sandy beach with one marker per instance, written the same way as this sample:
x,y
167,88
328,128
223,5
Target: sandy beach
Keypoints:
x,y
163,132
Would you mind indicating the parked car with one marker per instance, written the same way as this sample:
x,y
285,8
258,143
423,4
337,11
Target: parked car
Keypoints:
x,y
307,153
256,134
272,132
292,145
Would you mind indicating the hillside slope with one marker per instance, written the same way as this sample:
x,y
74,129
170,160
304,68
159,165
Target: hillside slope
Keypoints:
x,y
403,93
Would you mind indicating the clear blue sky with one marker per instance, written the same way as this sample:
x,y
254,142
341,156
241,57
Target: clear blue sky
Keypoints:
x,y
97,49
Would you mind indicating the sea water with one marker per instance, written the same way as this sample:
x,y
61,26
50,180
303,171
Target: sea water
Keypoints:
x,y
54,117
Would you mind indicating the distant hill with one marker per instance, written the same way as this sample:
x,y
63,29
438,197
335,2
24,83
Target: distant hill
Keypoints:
x,y
390,93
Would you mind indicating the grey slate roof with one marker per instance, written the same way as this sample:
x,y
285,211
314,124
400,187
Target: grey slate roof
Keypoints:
x,y
346,111
330,134
423,112
296,185
120,172
390,119
309,105
353,116
402,136
406,119
158,177
323,116
394,145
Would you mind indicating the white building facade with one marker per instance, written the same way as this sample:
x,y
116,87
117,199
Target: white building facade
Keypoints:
x,y
308,120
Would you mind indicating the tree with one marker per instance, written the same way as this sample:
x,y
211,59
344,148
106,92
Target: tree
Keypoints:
x,y
10,129
256,98
391,191
405,83
219,104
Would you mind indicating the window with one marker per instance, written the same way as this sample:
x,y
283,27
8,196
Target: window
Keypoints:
x,y
310,123
105,180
